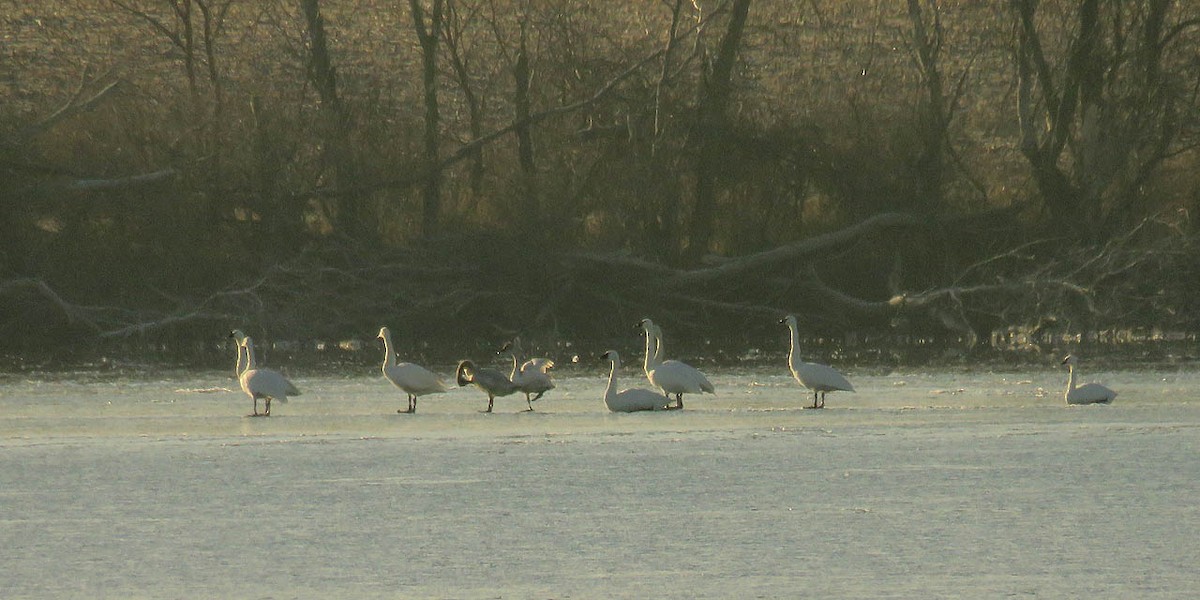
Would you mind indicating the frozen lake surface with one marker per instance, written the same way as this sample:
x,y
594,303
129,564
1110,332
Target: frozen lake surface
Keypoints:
x,y
922,485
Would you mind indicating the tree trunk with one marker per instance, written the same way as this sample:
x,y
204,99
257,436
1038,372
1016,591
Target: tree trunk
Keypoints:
x,y
531,209
711,131
428,36
347,216
930,169
452,33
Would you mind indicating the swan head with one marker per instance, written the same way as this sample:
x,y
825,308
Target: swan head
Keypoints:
x,y
645,325
384,333
1069,360
237,336
790,320
611,355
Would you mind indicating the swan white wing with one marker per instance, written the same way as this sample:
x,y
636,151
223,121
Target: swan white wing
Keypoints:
x,y
537,364
1092,393
533,382
260,383
414,379
820,378
636,399
675,377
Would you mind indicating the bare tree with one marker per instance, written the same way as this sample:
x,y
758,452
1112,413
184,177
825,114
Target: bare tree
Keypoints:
x,y
1097,125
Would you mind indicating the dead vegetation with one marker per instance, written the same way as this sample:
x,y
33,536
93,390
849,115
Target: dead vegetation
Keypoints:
x,y
478,167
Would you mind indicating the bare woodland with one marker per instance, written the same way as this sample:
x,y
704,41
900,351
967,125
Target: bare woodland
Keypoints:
x,y
470,169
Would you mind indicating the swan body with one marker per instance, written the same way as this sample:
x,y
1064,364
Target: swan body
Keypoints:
x,y
817,378
263,382
414,379
532,376
671,376
629,400
1090,393
491,381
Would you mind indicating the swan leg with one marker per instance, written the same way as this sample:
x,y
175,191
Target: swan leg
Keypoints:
x,y
535,398
491,399
678,401
413,407
255,413
267,412
528,403
822,400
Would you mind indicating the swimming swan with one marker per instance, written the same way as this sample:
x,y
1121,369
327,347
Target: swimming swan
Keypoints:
x,y
816,377
1091,393
491,381
532,376
264,382
414,379
633,399
671,376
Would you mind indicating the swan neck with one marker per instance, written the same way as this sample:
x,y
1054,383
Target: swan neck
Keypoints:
x,y
651,350
251,364
389,355
1070,377
794,351
241,360
611,390
515,368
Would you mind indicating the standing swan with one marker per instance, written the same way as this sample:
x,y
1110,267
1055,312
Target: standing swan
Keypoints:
x,y
1090,393
414,379
630,400
532,376
491,381
263,383
818,378
671,376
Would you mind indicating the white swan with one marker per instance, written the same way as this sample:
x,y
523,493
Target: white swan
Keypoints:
x,y
1090,393
532,376
414,379
633,399
816,377
263,383
671,376
491,381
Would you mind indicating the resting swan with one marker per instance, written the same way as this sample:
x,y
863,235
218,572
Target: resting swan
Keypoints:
x,y
491,381
671,376
532,376
816,377
414,379
264,382
1090,393
630,400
